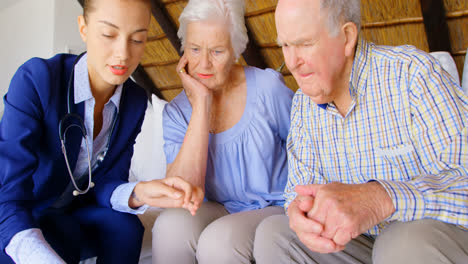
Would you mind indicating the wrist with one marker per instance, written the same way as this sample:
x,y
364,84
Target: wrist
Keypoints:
x,y
383,200
134,196
201,106
135,199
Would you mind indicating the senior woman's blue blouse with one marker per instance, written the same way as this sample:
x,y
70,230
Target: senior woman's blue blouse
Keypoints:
x,y
247,164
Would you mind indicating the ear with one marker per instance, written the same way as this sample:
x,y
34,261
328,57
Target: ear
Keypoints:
x,y
351,35
83,28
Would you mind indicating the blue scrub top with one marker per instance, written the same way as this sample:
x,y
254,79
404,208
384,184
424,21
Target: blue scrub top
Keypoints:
x,y
247,164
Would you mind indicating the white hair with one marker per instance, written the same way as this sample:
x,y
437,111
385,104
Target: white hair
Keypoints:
x,y
231,11
342,11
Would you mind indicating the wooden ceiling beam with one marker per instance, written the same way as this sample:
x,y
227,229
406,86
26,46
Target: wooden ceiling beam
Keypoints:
x,y
163,18
393,22
261,11
252,55
457,14
173,1
142,78
435,24
157,37
162,63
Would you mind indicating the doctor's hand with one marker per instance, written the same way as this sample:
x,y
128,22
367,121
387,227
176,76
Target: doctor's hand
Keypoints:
x,y
346,210
170,192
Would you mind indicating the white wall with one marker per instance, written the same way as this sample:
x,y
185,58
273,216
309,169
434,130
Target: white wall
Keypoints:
x,y
32,28
66,36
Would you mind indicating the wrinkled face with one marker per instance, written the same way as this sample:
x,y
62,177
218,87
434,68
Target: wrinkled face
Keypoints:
x,y
115,34
315,58
209,52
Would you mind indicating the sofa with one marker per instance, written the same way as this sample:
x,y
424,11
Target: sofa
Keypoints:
x,y
449,65
465,74
148,163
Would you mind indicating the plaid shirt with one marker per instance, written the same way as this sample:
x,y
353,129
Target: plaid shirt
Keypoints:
x,y
406,128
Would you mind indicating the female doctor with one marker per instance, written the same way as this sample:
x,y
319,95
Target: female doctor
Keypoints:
x,y
66,141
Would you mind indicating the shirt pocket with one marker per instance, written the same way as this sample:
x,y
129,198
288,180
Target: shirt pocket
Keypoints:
x,y
402,160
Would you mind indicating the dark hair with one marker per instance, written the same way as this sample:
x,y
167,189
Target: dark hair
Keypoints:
x,y
88,7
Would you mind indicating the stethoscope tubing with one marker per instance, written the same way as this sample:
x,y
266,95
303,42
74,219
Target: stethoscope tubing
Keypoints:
x,y
82,127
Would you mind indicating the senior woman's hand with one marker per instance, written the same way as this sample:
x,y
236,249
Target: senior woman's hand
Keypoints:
x,y
170,192
197,93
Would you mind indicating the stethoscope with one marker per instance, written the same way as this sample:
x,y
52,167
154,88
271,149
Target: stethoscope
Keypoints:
x,y
76,121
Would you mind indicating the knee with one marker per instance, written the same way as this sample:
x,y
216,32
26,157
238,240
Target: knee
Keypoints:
x,y
268,237
172,223
267,229
126,227
173,216
409,242
174,237
175,229
120,235
217,244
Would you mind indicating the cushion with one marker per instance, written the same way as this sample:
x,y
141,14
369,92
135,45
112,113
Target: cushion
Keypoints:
x,y
465,74
448,64
149,161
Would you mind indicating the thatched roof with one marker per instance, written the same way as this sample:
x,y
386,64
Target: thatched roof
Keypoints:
x,y
389,22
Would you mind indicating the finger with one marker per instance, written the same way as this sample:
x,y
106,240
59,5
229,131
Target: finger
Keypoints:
x,y
195,202
300,223
338,248
189,84
317,243
329,231
188,195
182,185
165,202
159,188
319,211
331,223
200,197
305,203
326,215
181,65
308,190
342,238
192,208
197,197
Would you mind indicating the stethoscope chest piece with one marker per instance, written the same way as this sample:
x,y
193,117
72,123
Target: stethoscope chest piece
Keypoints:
x,y
76,192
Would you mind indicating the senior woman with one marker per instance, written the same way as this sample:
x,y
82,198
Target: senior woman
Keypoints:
x,y
226,133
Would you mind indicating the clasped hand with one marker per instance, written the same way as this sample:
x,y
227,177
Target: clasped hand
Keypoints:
x,y
170,192
326,217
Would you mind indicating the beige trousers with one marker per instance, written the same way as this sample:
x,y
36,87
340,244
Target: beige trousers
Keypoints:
x,y
424,241
211,236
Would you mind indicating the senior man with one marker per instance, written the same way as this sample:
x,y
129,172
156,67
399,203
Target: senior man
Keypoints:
x,y
377,150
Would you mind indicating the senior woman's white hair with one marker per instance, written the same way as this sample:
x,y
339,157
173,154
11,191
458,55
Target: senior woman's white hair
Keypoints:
x,y
342,11
231,11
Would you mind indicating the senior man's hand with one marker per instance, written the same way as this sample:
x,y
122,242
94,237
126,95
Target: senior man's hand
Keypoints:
x,y
309,230
347,210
